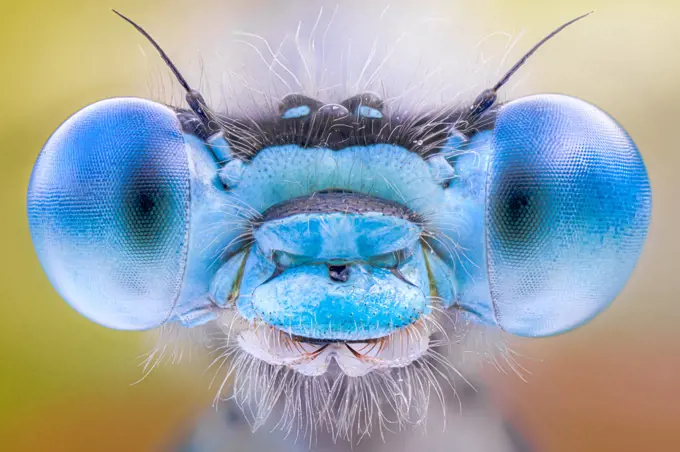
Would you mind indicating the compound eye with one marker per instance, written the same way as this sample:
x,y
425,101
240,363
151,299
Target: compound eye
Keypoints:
x,y
568,207
108,212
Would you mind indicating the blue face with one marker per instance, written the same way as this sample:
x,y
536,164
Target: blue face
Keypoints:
x,y
340,233
532,225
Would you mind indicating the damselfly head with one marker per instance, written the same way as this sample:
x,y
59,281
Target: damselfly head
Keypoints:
x,y
343,246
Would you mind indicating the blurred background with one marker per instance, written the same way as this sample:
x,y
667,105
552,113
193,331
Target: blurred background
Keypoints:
x,y
66,383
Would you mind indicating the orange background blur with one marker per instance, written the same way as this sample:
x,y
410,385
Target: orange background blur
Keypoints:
x,y
65,383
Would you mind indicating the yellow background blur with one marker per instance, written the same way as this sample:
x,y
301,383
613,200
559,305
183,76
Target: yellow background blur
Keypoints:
x,y
65,383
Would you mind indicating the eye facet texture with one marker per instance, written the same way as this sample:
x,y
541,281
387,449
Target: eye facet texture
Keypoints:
x,y
568,206
108,209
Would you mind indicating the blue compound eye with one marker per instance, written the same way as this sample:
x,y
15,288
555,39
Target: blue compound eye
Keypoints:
x,y
568,206
108,209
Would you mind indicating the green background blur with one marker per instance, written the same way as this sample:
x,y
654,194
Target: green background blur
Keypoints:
x,y
65,383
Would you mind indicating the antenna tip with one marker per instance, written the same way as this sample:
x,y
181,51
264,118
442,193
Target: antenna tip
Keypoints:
x,y
121,15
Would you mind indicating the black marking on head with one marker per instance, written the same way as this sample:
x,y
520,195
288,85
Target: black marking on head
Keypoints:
x,y
298,100
338,201
317,341
333,127
370,100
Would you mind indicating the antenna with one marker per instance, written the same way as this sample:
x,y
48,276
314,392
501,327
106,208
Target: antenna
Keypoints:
x,y
193,97
488,97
